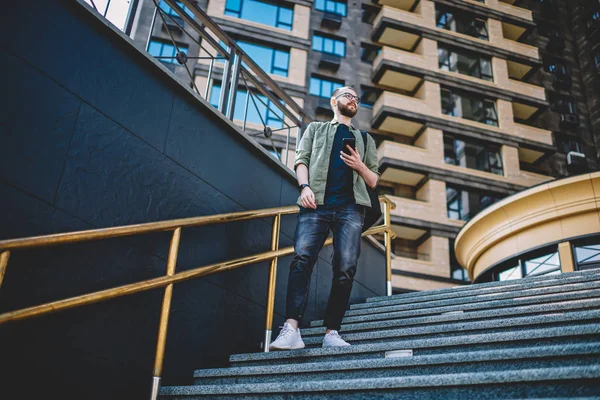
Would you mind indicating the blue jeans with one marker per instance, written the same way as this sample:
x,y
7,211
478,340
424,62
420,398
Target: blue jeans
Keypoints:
x,y
311,232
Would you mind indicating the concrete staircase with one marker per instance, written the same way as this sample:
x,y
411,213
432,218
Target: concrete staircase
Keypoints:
x,y
533,338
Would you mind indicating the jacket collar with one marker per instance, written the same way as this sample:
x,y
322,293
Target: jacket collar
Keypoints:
x,y
336,122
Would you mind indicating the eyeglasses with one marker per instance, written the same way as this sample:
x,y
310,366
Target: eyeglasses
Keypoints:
x,y
349,96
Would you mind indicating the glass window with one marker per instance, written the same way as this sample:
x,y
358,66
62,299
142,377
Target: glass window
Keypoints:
x,y
465,63
323,87
273,61
262,12
596,59
368,52
463,205
472,155
562,104
369,13
328,45
266,113
557,67
587,253
469,107
168,10
566,145
511,273
165,51
335,7
465,23
369,96
537,263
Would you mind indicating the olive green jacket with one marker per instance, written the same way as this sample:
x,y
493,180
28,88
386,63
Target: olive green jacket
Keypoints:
x,y
314,151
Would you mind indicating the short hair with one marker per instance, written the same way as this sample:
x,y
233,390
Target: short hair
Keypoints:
x,y
339,90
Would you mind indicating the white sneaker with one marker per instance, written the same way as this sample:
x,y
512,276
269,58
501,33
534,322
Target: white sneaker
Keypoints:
x,y
288,339
333,339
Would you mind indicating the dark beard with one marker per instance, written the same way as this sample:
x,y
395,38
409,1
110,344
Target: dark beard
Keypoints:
x,y
346,111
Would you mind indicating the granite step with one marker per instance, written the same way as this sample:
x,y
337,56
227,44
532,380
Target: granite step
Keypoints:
x,y
513,324
392,312
477,298
531,310
573,334
476,361
559,278
549,382
475,291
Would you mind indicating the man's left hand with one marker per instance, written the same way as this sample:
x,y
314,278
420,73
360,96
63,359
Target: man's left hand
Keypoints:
x,y
353,159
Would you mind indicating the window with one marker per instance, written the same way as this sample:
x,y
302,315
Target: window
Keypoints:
x,y
456,271
562,104
369,96
334,7
537,263
169,11
269,113
593,19
465,63
587,253
566,145
165,51
472,155
557,67
323,87
465,23
596,59
273,61
368,52
470,107
328,45
262,12
463,205
369,13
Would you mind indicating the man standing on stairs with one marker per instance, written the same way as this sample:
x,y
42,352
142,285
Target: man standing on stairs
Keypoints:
x,y
333,196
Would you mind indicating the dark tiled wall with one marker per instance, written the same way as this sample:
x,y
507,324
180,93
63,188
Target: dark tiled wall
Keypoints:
x,y
94,135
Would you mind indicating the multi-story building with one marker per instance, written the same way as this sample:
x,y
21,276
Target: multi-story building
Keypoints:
x,y
469,101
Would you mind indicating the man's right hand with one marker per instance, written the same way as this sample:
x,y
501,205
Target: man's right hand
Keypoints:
x,y
307,198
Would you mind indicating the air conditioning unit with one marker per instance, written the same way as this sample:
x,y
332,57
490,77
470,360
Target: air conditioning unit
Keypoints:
x,y
569,120
575,158
576,163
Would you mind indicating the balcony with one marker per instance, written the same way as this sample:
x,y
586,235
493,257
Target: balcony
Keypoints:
x,y
331,20
532,133
398,28
434,157
330,61
406,5
392,68
385,111
509,9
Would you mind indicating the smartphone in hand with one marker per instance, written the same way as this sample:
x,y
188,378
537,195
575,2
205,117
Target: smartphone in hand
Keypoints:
x,y
350,142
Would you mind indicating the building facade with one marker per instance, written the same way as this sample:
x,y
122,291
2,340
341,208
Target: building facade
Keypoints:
x,y
469,101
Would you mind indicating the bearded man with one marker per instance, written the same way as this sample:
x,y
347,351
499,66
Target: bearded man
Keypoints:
x,y
333,196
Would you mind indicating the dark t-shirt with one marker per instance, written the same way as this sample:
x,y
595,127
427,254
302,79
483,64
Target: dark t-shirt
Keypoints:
x,y
340,186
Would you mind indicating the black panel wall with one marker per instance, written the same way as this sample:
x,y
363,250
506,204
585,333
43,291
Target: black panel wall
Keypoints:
x,y
95,134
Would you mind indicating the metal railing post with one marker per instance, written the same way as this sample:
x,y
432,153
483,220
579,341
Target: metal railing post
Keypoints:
x,y
223,97
151,28
388,248
235,74
210,70
164,315
272,283
4,256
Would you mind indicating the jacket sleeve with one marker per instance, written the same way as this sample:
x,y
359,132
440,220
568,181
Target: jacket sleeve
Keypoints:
x,y
304,148
371,160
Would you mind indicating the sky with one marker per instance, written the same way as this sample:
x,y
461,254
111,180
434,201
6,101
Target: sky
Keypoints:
x,y
117,10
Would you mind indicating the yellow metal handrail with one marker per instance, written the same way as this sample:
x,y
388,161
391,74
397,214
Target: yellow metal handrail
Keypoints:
x,y
170,278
